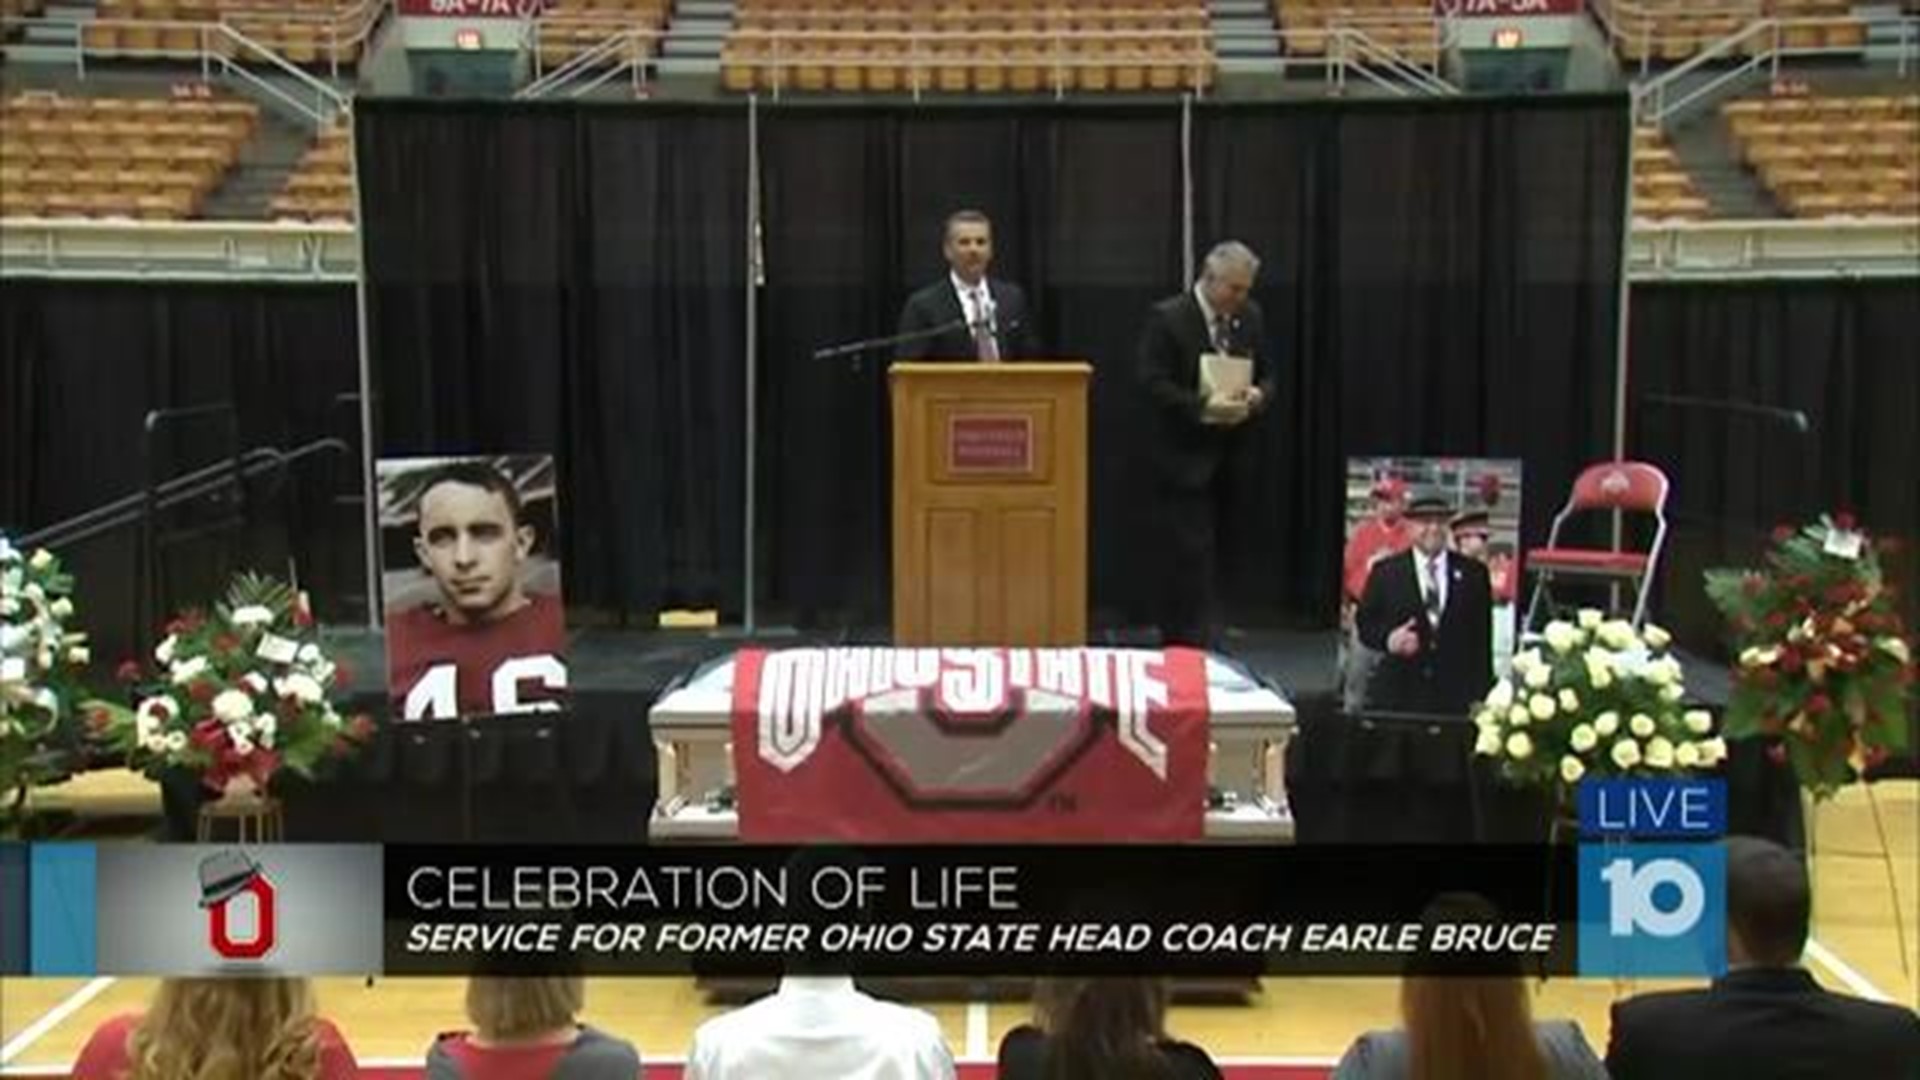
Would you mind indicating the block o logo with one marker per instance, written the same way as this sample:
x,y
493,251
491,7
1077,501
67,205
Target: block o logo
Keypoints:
x,y
1653,909
226,877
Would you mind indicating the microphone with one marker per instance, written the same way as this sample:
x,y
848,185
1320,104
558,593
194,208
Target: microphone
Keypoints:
x,y
1793,418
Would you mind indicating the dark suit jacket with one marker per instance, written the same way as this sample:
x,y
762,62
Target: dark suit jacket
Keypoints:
x,y
1023,1056
1454,666
1762,1024
939,305
1187,451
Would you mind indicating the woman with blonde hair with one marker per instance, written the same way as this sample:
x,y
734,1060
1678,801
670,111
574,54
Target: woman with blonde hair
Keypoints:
x,y
220,1029
1468,1023
527,1028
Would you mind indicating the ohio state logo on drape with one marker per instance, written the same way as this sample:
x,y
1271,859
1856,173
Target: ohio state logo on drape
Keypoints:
x,y
967,745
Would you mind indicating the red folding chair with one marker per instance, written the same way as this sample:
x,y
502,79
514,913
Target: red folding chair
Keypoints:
x,y
1626,486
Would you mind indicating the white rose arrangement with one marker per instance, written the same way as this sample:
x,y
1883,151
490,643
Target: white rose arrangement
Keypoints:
x,y
1594,698
239,695
41,661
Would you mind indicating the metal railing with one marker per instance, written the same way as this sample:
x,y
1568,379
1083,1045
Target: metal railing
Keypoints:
x,y
203,42
1736,250
1345,52
1635,27
1360,54
1758,45
626,51
178,250
328,103
255,251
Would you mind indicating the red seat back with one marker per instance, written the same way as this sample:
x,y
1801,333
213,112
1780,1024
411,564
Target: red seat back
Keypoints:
x,y
1620,485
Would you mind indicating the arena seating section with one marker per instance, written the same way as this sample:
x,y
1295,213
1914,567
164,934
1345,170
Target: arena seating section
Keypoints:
x,y
571,27
305,32
1673,30
321,187
1833,156
153,158
1662,189
18,9
1405,26
960,46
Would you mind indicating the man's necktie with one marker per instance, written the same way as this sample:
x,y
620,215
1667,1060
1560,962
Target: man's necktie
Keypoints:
x,y
1220,339
1433,590
983,342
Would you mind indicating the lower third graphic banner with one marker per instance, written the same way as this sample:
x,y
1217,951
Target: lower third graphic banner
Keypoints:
x,y
981,745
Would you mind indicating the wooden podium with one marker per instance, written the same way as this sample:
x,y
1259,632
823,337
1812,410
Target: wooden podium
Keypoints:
x,y
990,503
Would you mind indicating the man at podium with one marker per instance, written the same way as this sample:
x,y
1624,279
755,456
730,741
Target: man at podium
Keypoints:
x,y
967,315
1204,360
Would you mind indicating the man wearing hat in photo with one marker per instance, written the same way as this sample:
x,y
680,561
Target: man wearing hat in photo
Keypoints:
x,y
1386,532
1430,611
1382,533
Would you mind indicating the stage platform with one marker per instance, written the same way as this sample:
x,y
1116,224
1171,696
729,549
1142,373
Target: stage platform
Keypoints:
x,y
590,775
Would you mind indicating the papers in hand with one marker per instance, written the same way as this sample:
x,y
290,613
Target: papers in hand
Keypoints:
x,y
1223,379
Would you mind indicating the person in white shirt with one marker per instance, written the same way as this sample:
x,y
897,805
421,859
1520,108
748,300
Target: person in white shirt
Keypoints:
x,y
820,1027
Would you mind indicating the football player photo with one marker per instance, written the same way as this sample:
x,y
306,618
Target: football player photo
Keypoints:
x,y
475,621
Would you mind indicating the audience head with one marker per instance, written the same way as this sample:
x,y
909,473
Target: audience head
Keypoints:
x,y
968,244
507,1008
227,1029
1462,1021
1769,904
1226,277
1107,1028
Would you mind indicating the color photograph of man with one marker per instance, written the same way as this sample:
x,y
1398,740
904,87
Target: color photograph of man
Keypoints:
x,y
1482,500
475,623
1429,610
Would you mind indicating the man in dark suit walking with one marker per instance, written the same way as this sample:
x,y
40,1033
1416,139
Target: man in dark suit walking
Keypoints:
x,y
1196,431
967,315
1765,1019
1430,611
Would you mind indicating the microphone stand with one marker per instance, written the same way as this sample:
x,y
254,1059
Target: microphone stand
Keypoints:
x,y
855,348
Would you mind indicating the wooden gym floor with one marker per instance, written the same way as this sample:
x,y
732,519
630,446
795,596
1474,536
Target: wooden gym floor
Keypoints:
x,y
1856,949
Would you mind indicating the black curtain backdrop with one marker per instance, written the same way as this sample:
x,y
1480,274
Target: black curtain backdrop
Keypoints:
x,y
1439,279
571,280
1086,211
82,363
1839,351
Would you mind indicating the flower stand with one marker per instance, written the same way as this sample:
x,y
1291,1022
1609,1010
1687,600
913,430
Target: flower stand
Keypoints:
x,y
254,816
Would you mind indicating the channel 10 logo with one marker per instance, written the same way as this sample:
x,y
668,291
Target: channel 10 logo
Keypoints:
x,y
1652,909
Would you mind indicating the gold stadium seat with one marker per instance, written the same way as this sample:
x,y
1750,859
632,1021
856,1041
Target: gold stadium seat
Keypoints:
x,y
951,67
989,68
1092,70
846,60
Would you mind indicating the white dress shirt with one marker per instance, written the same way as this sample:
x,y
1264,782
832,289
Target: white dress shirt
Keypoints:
x,y
1432,570
976,303
1218,326
821,1029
